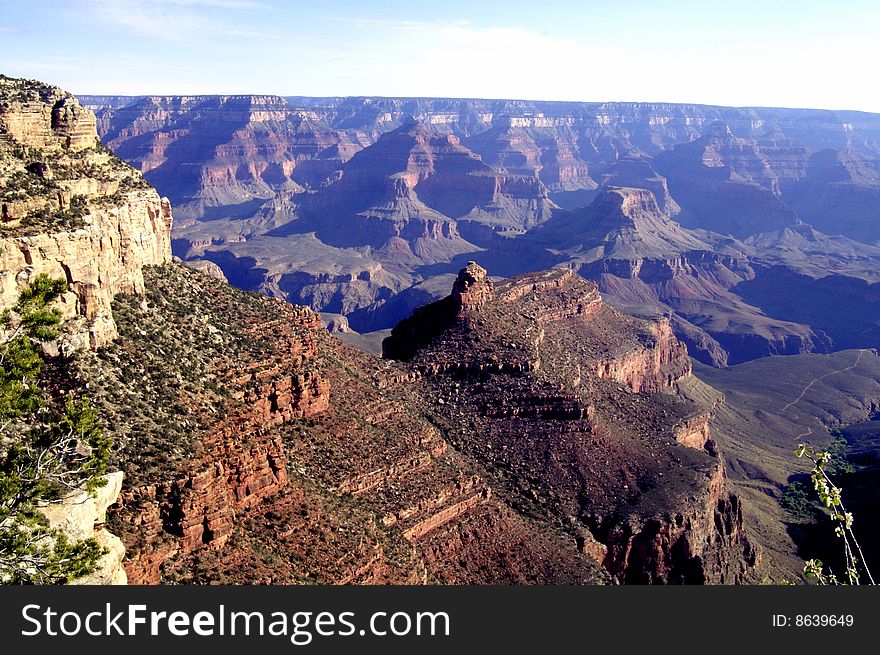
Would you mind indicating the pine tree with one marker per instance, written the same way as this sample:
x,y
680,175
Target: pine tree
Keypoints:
x,y
45,450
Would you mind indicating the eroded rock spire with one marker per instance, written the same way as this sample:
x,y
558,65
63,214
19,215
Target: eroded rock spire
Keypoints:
x,y
472,288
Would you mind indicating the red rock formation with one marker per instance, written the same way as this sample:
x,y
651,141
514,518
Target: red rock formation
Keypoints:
x,y
693,431
656,366
556,395
537,146
472,288
703,544
243,460
212,152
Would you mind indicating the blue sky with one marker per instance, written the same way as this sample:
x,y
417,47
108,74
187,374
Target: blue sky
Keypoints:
x,y
743,52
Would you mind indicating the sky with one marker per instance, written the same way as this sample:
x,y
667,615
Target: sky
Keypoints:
x,y
807,53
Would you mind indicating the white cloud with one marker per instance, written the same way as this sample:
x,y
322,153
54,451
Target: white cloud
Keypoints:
x,y
169,20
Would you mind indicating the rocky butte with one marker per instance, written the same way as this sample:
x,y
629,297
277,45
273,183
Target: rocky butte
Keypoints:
x,y
517,431
571,409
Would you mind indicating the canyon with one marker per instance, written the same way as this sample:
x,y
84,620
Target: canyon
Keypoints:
x,y
367,207
516,431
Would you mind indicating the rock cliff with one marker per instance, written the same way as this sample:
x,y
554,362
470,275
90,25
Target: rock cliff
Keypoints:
x,y
72,210
220,154
80,516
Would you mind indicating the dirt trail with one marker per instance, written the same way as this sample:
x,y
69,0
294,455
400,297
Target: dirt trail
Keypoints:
x,y
822,377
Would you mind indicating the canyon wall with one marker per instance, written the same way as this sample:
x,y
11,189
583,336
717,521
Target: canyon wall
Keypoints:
x,y
72,211
290,196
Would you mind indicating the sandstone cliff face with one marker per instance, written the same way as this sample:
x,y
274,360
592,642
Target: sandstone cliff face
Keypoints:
x,y
548,149
571,408
175,518
45,117
72,211
103,258
241,459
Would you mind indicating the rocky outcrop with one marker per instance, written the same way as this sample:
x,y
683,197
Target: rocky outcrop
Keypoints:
x,y
638,173
704,543
563,401
72,212
172,519
472,288
641,259
656,366
81,515
693,432
103,258
208,268
243,459
44,117
622,223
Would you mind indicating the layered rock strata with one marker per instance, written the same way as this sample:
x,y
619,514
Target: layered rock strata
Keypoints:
x,y
571,409
72,210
